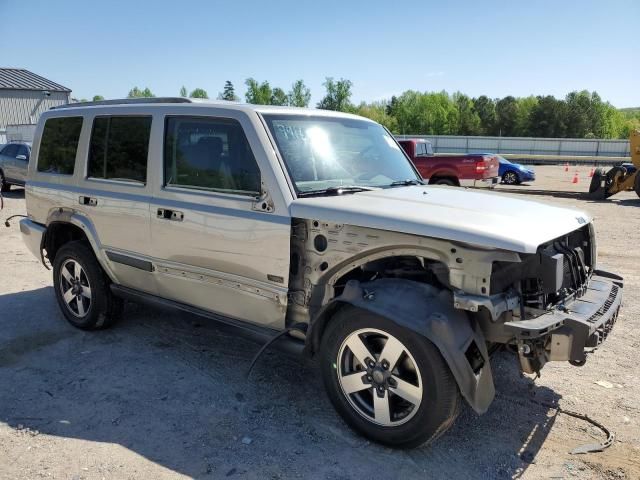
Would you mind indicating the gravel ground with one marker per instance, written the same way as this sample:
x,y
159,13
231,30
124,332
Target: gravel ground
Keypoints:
x,y
166,395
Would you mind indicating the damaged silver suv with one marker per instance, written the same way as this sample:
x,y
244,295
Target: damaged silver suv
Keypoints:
x,y
315,227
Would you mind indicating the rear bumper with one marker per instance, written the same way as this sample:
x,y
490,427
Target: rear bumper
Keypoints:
x,y
32,234
480,183
583,324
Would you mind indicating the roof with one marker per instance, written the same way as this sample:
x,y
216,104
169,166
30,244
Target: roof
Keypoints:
x,y
21,79
204,103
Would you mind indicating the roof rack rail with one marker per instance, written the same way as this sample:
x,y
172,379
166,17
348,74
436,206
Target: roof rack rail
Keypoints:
x,y
126,101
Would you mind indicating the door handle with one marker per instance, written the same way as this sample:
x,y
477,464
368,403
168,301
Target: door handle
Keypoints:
x,y
173,215
90,201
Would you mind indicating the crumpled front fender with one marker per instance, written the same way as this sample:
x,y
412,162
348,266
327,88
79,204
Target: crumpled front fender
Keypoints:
x,y
429,312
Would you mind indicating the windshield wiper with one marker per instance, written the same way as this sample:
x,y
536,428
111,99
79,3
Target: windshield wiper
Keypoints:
x,y
404,183
338,190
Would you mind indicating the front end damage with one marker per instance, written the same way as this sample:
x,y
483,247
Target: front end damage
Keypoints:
x,y
551,305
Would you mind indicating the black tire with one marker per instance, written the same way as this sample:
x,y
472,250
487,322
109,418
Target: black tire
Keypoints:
x,y
101,309
4,186
511,178
636,184
440,398
444,181
596,180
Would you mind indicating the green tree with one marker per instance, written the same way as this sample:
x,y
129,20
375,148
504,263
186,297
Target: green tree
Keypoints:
x,y
279,97
525,106
468,119
337,96
198,93
98,98
228,93
135,92
258,93
183,92
506,116
549,117
485,107
299,95
377,111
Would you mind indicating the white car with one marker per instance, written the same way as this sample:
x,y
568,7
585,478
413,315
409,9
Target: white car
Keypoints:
x,y
313,226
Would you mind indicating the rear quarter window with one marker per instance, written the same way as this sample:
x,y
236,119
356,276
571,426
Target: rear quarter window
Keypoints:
x,y
59,144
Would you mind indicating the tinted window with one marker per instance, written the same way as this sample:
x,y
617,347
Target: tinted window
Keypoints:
x,y
119,148
10,150
210,154
59,145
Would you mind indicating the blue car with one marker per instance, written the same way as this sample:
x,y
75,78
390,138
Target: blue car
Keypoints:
x,y
514,173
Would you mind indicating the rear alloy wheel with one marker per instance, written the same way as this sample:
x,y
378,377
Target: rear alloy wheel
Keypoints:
x,y
510,178
387,382
4,186
82,288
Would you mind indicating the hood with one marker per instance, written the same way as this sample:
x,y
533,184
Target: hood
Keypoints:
x,y
485,219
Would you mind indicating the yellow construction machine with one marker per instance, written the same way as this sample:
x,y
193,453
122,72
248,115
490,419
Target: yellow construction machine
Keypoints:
x,y
620,178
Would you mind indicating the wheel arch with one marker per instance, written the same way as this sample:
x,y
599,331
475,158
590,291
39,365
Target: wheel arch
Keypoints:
x,y
429,312
65,225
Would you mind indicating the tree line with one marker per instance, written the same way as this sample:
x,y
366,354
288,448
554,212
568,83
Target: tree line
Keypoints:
x,y
580,114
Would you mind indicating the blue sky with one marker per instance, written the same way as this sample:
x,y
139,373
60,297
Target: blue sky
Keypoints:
x,y
497,48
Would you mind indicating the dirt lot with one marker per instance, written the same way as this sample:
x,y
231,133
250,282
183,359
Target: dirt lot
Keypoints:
x,y
166,396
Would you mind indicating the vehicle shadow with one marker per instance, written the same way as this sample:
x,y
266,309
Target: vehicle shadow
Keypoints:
x,y
173,389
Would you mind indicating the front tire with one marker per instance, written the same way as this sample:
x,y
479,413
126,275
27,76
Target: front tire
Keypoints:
x,y
510,178
387,382
82,288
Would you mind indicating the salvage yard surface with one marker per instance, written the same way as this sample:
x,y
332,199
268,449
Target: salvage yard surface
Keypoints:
x,y
165,395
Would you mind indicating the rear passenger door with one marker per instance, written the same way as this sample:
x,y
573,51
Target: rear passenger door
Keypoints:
x,y
114,194
214,248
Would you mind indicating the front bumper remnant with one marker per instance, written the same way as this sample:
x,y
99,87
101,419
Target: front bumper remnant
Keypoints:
x,y
571,331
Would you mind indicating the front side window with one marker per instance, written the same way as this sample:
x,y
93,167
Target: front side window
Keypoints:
x,y
23,150
119,148
59,144
209,154
325,152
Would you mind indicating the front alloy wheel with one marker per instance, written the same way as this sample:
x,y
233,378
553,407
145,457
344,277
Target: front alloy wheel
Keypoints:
x,y
389,383
379,377
510,178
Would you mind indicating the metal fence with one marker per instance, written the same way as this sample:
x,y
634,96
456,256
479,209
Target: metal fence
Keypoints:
x,y
526,146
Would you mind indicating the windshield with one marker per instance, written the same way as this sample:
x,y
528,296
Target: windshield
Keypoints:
x,y
323,152
504,160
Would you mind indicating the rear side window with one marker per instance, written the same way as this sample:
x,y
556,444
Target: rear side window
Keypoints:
x,y
119,147
10,150
58,146
209,154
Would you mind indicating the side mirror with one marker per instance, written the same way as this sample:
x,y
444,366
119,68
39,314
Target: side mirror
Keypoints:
x,y
21,157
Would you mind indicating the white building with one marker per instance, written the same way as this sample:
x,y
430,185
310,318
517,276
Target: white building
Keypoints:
x,y
23,97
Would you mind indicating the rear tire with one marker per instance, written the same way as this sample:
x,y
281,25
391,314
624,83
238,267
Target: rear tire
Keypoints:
x,y
82,288
4,186
636,184
444,181
430,399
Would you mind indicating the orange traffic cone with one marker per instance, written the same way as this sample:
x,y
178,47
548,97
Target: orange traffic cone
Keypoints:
x,y
575,178
566,166
591,172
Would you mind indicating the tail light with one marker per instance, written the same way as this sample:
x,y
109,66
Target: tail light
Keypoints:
x,y
481,166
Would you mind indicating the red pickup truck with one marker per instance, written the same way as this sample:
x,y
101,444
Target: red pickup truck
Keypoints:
x,y
467,170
